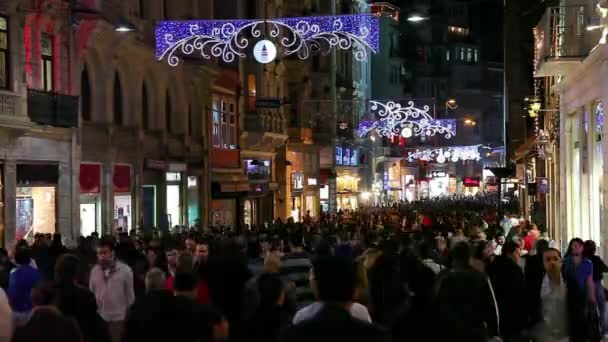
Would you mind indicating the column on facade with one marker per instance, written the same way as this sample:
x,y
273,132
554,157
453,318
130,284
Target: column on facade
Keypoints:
x,y
10,205
603,228
565,205
586,151
65,204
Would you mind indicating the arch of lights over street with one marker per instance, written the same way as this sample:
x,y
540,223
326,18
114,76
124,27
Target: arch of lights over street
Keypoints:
x,y
298,36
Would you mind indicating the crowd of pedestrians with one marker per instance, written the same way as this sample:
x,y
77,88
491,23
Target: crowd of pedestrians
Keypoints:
x,y
382,274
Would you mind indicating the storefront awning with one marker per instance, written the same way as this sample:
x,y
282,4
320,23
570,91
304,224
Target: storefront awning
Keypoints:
x,y
525,150
230,180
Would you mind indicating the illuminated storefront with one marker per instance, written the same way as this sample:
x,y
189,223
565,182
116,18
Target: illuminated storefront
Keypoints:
x,y
36,203
348,178
258,206
347,192
90,198
297,189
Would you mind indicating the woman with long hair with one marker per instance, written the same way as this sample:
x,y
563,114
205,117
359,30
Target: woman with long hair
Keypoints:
x,y
599,268
581,300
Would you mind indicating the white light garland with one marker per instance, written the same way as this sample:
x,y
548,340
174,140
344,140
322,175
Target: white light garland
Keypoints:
x,y
228,39
407,121
444,154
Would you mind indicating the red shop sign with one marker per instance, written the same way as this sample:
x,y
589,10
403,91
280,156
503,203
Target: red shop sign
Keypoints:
x,y
90,178
122,178
470,182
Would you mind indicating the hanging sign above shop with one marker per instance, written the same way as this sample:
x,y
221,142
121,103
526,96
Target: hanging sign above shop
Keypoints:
x,y
470,182
542,185
267,102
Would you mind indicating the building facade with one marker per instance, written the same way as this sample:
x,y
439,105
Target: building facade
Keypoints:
x,y
571,65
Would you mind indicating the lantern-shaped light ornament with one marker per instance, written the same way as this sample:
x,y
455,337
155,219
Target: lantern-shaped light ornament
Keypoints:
x,y
534,109
440,158
406,132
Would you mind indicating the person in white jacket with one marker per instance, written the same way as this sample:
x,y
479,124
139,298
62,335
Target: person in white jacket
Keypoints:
x,y
6,325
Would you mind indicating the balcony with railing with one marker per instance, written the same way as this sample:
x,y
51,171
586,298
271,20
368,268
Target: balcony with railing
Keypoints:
x,y
52,109
264,124
562,40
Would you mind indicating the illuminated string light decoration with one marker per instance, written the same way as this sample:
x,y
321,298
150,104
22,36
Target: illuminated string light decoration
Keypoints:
x,y
538,46
301,36
445,154
599,117
406,121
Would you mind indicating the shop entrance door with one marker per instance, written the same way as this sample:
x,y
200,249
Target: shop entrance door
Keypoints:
x,y
148,194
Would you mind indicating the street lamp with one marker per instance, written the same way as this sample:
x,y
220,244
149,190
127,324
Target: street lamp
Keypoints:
x,y
534,106
452,104
470,122
416,18
76,9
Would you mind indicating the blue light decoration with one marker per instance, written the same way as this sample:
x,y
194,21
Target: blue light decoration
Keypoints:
x,y
599,117
347,156
395,119
299,36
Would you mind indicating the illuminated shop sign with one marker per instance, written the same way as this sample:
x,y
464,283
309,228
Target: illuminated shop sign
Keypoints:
x,y
297,181
347,156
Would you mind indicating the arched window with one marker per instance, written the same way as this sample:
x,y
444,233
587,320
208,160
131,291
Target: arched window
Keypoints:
x,y
168,113
85,95
145,114
118,114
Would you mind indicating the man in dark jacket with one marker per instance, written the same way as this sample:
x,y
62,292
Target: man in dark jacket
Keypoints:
x,y
534,273
334,281
78,302
510,288
463,304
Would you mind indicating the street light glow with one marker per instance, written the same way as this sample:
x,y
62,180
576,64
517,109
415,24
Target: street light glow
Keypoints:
x,y
470,122
123,28
415,18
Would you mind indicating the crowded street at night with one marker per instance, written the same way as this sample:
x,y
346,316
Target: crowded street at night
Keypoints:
x,y
303,170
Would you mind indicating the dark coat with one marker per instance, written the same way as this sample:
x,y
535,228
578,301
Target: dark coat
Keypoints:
x,y
161,317
534,273
463,306
333,323
79,303
510,289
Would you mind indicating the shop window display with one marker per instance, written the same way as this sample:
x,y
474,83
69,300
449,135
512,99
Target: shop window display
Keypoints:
x,y
35,211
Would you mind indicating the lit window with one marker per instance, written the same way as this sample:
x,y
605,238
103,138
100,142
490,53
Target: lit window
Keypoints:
x,y
469,54
447,55
4,54
251,84
224,122
462,54
46,61
476,55
173,177
580,20
216,124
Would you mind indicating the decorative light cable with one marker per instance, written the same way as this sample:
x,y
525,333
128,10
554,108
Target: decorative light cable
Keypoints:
x,y
300,36
539,37
407,121
445,154
538,46
599,117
